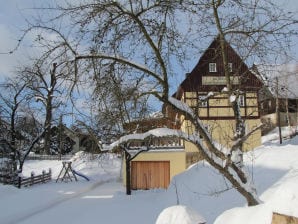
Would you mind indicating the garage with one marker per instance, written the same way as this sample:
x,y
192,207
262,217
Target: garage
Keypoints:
x,y
150,174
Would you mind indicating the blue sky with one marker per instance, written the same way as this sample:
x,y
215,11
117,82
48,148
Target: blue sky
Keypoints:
x,y
12,21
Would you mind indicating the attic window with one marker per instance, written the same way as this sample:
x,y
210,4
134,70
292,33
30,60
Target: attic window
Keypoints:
x,y
212,67
230,65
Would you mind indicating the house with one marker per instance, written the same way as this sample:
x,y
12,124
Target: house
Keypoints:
x,y
75,140
279,96
156,167
88,143
216,112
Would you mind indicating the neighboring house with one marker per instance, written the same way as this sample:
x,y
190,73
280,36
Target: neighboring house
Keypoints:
x,y
280,82
78,140
88,143
63,141
150,169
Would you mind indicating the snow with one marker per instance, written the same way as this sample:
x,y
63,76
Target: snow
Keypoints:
x,y
232,98
180,214
201,189
225,89
181,105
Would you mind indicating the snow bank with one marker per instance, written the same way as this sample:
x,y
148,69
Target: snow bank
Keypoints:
x,y
204,189
275,174
180,214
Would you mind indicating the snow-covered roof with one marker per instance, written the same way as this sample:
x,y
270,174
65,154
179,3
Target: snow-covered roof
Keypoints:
x,y
287,76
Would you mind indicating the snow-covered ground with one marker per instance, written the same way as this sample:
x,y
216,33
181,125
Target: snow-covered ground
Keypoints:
x,y
274,169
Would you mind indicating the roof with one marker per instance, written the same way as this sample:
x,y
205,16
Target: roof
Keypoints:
x,y
285,74
193,81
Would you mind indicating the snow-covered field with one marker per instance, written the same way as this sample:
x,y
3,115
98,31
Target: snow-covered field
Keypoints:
x,y
274,169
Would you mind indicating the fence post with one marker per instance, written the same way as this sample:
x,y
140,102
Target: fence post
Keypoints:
x,y
43,175
19,182
32,179
50,173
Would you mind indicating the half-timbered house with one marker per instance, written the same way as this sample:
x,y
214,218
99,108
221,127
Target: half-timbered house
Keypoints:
x,y
216,112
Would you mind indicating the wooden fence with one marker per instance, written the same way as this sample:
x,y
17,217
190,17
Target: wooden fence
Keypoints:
x,y
29,181
49,157
7,178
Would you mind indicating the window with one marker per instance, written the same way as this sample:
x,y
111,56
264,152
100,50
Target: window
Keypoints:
x,y
230,65
212,67
203,101
241,101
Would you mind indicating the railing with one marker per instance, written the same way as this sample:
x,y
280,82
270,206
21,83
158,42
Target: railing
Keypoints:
x,y
162,143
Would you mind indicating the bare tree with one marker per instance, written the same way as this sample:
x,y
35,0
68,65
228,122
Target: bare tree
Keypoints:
x,y
117,98
20,141
47,86
148,37
12,97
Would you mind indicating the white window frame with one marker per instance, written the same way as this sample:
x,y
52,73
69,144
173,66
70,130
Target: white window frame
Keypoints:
x,y
203,103
212,67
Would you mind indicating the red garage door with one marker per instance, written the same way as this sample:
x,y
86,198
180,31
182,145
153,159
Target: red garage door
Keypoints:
x,y
150,174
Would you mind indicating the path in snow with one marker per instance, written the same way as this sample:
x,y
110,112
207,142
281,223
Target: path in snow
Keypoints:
x,y
67,196
104,203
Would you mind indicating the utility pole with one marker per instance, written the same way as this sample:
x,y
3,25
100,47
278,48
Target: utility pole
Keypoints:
x,y
278,111
60,138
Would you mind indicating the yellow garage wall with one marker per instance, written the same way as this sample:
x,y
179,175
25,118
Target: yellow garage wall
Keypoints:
x,y
176,158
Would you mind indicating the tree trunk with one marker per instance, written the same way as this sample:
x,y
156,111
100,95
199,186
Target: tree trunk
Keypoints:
x,y
128,173
13,138
49,110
